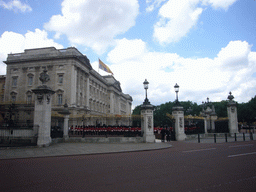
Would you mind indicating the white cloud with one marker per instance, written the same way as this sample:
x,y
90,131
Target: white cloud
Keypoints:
x,y
153,4
198,78
177,18
223,4
129,49
94,23
234,55
16,5
11,42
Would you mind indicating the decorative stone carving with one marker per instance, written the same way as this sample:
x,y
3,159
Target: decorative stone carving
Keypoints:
x,y
181,122
230,97
48,97
40,98
44,77
149,122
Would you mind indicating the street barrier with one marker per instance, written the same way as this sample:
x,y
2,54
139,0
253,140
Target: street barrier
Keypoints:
x,y
224,137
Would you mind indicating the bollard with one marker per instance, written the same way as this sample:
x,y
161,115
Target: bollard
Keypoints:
x,y
214,138
198,138
226,137
235,136
244,136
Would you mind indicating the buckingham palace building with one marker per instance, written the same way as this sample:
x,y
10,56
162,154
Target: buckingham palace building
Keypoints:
x,y
92,99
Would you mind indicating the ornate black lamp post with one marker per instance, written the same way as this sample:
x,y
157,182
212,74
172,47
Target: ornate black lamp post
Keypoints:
x,y
147,120
176,89
146,101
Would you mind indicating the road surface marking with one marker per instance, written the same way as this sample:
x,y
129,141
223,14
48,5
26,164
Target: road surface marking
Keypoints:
x,y
241,145
198,150
242,154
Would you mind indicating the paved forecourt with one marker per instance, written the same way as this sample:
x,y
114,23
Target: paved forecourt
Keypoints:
x,y
77,148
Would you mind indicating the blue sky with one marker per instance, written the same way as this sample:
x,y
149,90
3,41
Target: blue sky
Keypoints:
x,y
206,46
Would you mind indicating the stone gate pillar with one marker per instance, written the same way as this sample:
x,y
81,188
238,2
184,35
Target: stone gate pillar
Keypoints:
x,y
178,114
147,122
210,116
65,131
232,115
205,124
66,114
42,113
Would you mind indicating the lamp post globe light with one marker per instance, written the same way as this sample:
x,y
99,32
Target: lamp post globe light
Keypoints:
x,y
145,83
176,89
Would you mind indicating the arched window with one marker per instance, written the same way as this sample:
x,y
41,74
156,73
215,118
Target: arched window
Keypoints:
x,y
60,78
13,96
14,81
59,94
30,79
29,97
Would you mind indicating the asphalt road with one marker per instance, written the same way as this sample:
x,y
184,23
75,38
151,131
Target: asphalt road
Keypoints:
x,y
184,167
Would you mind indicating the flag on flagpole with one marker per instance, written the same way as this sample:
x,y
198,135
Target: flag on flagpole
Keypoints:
x,y
104,67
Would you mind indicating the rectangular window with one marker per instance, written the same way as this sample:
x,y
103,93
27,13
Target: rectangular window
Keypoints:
x,y
60,79
59,99
29,99
14,81
30,81
13,98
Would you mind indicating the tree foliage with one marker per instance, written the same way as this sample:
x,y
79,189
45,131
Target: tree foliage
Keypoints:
x,y
246,111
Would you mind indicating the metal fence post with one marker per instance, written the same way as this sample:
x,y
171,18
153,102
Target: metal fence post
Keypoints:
x,y
251,136
198,138
235,136
244,136
226,137
214,138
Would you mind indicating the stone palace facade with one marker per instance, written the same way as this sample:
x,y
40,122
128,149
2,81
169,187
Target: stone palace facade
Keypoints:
x,y
92,99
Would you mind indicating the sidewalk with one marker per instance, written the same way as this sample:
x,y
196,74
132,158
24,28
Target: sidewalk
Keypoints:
x,y
65,149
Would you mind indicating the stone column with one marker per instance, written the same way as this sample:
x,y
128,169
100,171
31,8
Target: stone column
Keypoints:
x,y
87,91
178,113
147,123
205,125
232,115
42,113
73,86
213,119
65,131
66,114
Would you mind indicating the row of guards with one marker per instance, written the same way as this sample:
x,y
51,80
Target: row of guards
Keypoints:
x,y
115,130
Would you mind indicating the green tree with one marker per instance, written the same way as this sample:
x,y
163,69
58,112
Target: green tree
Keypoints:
x,y
247,112
221,108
